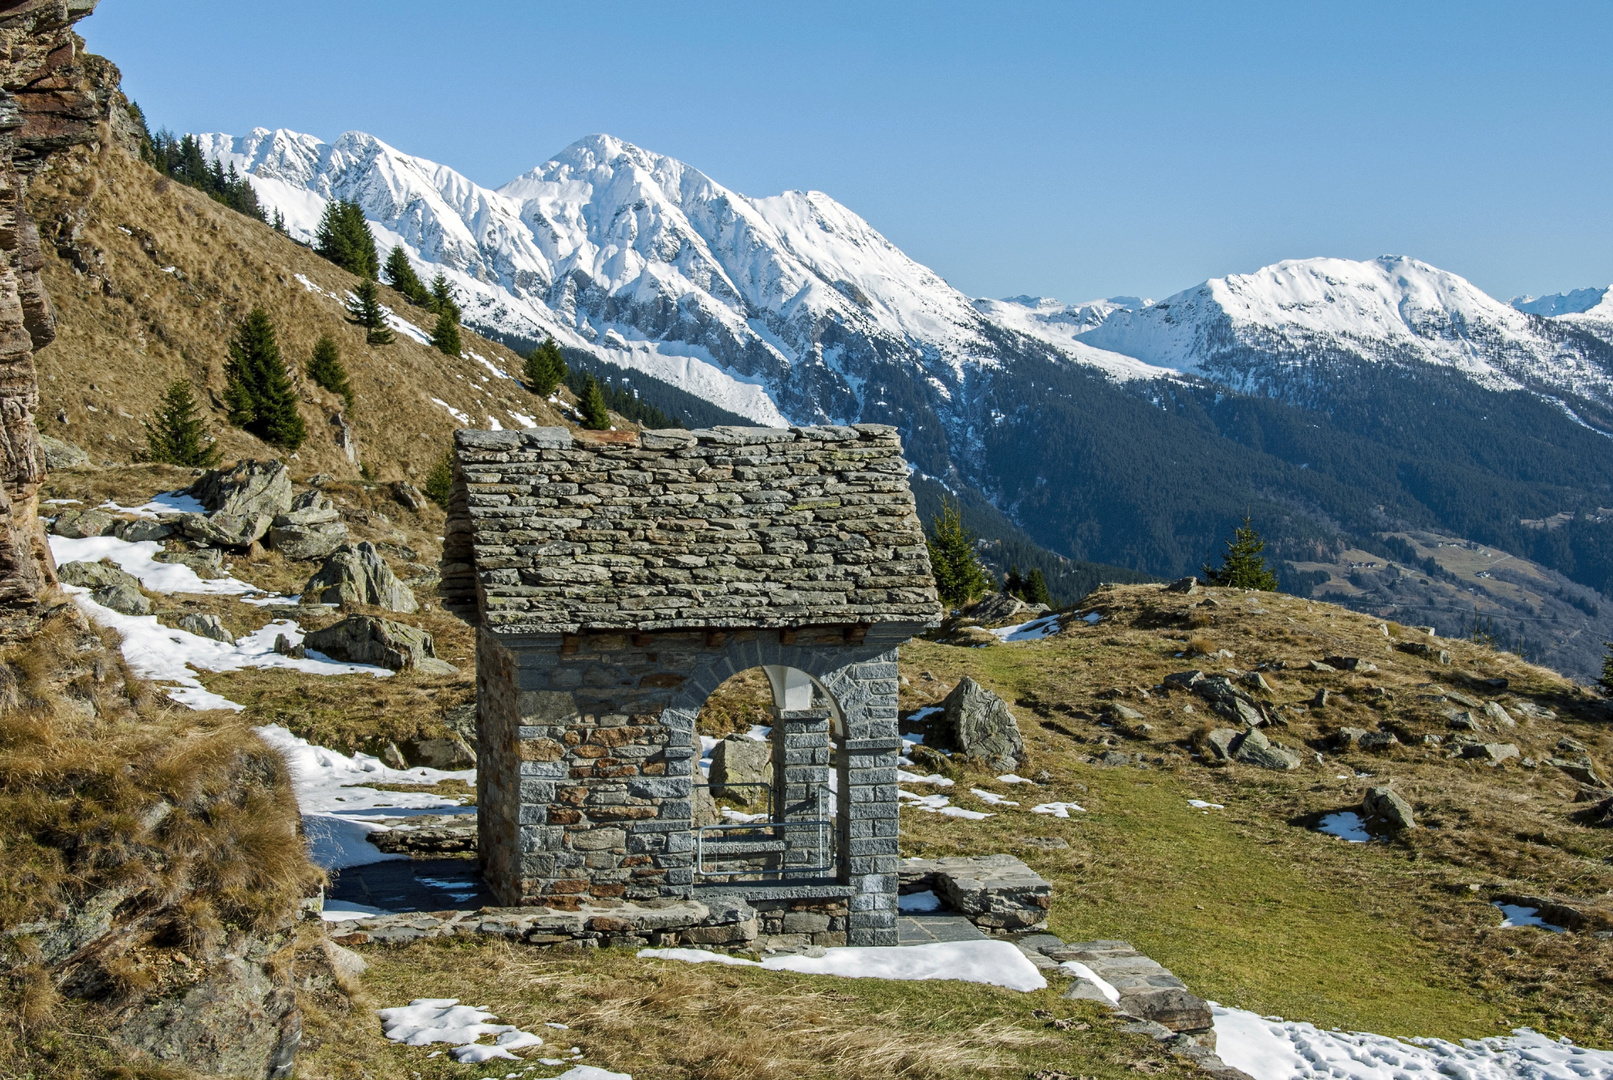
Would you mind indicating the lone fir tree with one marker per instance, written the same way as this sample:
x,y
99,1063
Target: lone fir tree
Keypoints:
x,y
442,298
364,308
176,434
401,276
1606,681
959,577
445,335
440,480
257,390
325,369
345,239
545,369
1243,566
1031,588
595,417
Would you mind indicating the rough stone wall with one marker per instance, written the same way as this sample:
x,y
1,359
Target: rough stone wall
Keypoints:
x,y
52,96
604,737
727,527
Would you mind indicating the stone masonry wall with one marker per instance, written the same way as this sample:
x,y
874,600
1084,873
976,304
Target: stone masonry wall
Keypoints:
x,y
601,729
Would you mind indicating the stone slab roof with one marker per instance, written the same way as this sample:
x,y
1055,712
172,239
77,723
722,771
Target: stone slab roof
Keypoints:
x,y
654,530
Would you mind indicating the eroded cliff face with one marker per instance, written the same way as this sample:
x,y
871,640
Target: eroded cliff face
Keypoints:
x,y
52,96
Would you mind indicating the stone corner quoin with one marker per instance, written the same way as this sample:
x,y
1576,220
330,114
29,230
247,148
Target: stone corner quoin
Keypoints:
x,y
616,579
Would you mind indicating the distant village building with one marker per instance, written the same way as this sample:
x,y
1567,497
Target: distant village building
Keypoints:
x,y
616,580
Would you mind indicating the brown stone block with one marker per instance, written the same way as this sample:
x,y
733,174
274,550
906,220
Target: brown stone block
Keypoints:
x,y
607,890
564,887
564,817
581,772
663,679
541,750
622,813
617,771
618,736
637,860
572,796
610,924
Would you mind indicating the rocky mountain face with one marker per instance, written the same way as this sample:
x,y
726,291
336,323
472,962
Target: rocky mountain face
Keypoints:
x,y
52,96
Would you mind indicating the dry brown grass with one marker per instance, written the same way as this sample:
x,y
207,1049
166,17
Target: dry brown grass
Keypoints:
x,y
1250,905
125,332
112,796
741,702
660,1020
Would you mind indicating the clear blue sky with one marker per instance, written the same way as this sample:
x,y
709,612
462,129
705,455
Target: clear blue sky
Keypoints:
x,y
1069,150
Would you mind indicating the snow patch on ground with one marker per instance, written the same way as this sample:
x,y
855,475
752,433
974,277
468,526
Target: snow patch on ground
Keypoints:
x,y
1058,809
1270,1048
455,413
995,963
444,1020
1347,825
139,559
1035,630
1518,915
939,804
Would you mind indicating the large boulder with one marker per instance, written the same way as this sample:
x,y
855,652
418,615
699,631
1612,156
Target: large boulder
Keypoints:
x,y
1253,748
77,524
206,563
365,639
251,489
141,529
95,575
207,626
977,724
739,759
310,540
224,530
355,575
124,599
997,607
62,455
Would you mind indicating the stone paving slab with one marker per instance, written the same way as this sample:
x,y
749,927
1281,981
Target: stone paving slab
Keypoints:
x,y
929,929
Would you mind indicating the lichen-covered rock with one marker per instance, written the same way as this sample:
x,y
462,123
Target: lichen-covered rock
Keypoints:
x,y
251,489
207,626
77,524
365,639
356,575
997,892
741,760
1384,804
315,540
1253,748
95,575
144,529
205,562
977,724
62,455
224,529
1490,753
122,598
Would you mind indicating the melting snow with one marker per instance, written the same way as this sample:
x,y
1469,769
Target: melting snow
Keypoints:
x,y
455,413
444,1020
996,963
1200,804
1035,630
991,798
1346,824
1270,1048
936,779
138,559
167,502
939,804
1518,915
916,903
1058,809
1011,778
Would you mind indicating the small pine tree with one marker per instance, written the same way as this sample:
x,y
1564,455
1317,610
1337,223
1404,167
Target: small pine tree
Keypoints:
x,y
401,276
176,435
1036,589
959,577
325,369
1243,566
595,417
1606,681
440,480
445,335
258,392
442,300
365,309
279,222
345,239
545,369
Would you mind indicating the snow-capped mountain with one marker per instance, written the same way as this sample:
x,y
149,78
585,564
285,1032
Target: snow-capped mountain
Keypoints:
x,y
1286,326
1061,325
787,307
1574,302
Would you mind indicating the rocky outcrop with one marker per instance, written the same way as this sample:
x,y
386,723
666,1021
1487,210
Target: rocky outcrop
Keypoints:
x,y
207,626
250,489
998,893
355,576
977,724
95,575
62,455
365,639
1386,806
311,529
52,96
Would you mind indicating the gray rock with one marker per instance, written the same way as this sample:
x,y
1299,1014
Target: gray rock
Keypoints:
x,y
95,575
1253,748
409,495
1492,753
428,834
977,724
705,808
307,541
1219,743
1256,681
1532,711
1461,720
312,500
77,524
224,530
1187,586
1350,663
1123,713
365,639
205,562
1581,768
356,575
1463,700
1183,680
285,647
739,759
461,720
996,892
1498,714
1424,650
251,489
996,608
450,753
1379,740
207,626
1320,700
144,529
1317,665
1383,803
1349,738
124,599
62,455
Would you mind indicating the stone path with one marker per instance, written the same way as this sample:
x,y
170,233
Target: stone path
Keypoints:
x,y
928,929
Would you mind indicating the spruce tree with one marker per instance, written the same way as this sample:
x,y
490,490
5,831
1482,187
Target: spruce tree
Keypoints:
x,y
440,480
325,369
258,392
1243,566
365,309
595,417
401,276
442,298
445,335
176,435
1606,681
1036,589
959,577
545,369
344,238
